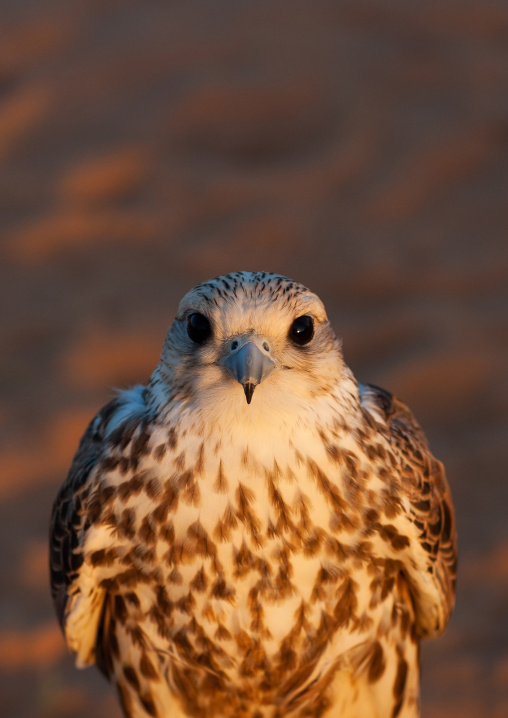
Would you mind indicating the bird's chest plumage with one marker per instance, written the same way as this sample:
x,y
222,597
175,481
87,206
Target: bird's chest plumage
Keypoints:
x,y
251,557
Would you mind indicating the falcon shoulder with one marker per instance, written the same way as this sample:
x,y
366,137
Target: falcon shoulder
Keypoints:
x,y
427,519
77,597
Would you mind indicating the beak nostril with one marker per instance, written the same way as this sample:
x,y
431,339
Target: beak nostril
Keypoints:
x,y
249,363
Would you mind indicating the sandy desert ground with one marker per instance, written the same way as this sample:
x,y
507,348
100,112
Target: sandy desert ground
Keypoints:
x,y
360,147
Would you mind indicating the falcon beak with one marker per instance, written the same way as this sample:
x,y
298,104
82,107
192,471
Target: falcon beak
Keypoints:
x,y
249,363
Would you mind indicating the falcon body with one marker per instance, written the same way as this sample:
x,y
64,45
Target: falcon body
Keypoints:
x,y
254,533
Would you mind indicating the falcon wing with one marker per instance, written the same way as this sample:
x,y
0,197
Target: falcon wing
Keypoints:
x,y
430,560
77,598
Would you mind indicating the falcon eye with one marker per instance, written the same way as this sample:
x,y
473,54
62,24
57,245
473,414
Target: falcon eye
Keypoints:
x,y
302,330
198,328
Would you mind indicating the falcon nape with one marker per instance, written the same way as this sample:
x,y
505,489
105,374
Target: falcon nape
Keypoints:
x,y
254,533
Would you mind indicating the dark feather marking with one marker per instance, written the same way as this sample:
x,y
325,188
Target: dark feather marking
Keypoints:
x,y
148,705
103,557
132,487
390,534
175,577
222,633
347,603
221,590
200,462
132,599
191,495
147,668
445,536
125,524
131,677
199,583
139,445
221,484
147,532
172,438
202,545
377,663
244,560
119,608
109,463
159,452
399,686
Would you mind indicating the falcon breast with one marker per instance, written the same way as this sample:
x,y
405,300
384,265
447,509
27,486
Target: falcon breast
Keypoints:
x,y
254,533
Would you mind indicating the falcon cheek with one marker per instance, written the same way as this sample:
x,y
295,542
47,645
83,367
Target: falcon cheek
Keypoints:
x,y
249,363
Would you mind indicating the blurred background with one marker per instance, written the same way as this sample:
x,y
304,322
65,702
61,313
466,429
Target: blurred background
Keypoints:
x,y
358,147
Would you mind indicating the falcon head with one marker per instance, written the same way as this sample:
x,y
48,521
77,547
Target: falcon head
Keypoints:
x,y
250,337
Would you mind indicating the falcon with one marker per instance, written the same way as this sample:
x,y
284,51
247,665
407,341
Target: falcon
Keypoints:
x,y
254,533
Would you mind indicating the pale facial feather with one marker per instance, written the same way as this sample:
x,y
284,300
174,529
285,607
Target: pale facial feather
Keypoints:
x,y
195,376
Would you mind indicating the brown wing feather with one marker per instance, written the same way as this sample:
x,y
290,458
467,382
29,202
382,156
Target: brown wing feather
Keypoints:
x,y
430,519
69,521
65,557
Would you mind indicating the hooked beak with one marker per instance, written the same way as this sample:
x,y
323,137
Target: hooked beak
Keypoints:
x,y
249,365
